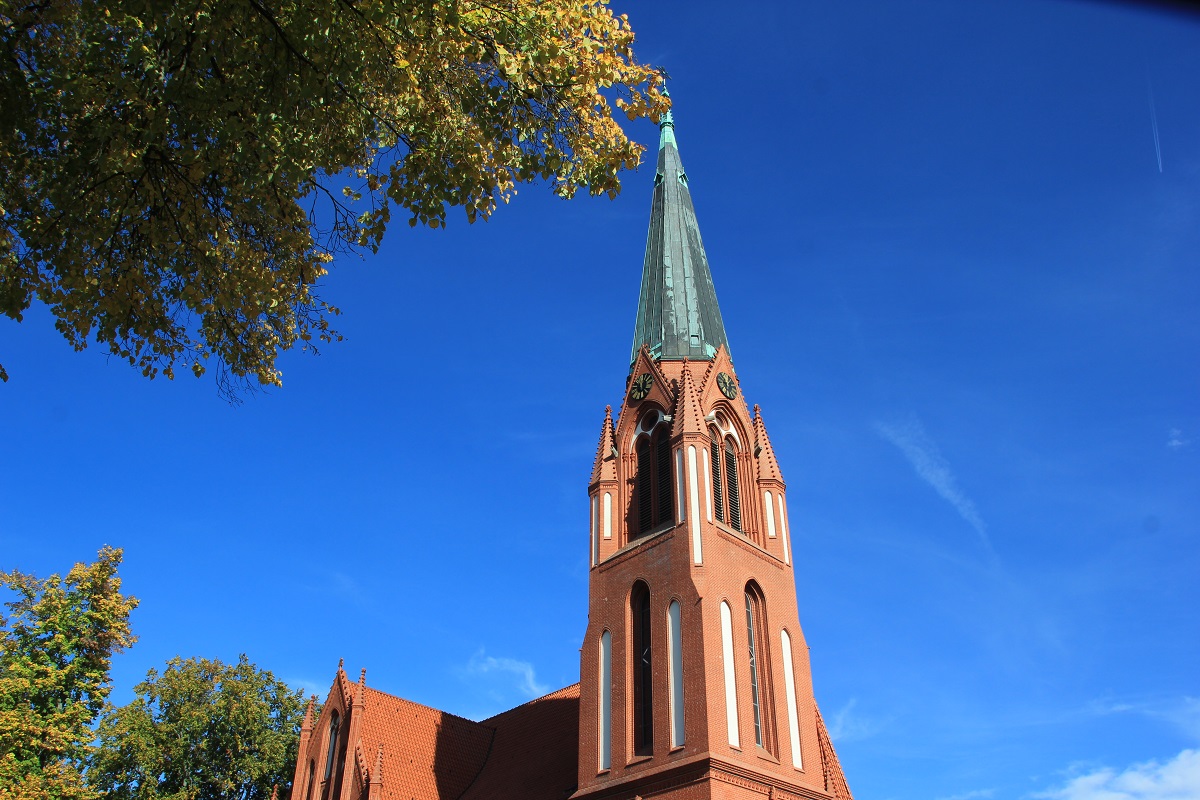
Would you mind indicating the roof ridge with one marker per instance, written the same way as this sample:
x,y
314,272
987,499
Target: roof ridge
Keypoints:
x,y
425,707
546,696
377,771
835,779
482,763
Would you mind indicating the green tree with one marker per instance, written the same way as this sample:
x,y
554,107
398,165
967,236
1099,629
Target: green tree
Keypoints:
x,y
201,730
178,175
57,639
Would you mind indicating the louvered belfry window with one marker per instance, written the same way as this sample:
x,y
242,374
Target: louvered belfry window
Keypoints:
x,y
645,486
666,501
731,481
727,503
654,499
718,494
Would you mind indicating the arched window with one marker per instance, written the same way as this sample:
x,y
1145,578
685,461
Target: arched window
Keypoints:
x,y
653,497
727,502
312,769
330,753
643,671
759,666
605,700
731,709
731,485
675,670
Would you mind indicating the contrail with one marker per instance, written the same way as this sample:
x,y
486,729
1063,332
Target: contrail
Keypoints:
x,y
1154,122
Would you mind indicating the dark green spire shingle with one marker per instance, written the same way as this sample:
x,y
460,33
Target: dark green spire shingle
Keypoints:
x,y
677,314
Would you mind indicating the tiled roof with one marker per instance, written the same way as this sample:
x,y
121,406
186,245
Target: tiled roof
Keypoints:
x,y
528,753
535,755
835,779
427,754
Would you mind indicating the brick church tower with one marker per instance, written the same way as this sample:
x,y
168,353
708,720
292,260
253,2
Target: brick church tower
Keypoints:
x,y
694,676
694,672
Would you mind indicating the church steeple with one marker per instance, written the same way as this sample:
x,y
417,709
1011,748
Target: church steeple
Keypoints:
x,y
677,315
694,671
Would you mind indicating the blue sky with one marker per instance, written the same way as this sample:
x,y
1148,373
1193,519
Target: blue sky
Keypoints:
x,y
956,247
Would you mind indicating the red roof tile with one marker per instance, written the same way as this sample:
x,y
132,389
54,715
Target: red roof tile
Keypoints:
x,y
427,754
535,754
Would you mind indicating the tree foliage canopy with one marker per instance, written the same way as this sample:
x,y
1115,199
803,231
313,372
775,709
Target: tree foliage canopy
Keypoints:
x,y
56,644
178,176
201,730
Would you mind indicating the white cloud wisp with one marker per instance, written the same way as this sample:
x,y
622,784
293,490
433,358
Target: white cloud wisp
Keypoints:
x,y
482,664
1176,779
921,451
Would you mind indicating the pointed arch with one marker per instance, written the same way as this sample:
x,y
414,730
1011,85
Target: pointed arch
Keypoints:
x,y
759,667
605,754
335,724
642,652
731,486
653,501
789,687
729,671
675,671
727,500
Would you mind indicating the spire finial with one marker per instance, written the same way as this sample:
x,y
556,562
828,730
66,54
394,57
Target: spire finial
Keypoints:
x,y
677,309
666,126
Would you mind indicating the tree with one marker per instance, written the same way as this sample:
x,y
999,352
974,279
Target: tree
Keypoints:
x,y
56,644
202,730
173,181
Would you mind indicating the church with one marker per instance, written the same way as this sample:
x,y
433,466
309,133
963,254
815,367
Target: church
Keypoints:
x,y
694,678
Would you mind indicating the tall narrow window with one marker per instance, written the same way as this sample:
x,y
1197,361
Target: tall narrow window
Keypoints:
x,y
731,709
312,769
653,496
605,700
666,497
675,667
727,503
643,671
334,724
789,686
754,700
759,668
645,486
731,480
718,494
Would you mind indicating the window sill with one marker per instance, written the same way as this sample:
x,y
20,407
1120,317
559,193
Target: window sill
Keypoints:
x,y
765,755
638,760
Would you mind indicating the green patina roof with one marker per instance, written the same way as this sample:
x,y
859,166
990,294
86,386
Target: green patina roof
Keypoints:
x,y
677,313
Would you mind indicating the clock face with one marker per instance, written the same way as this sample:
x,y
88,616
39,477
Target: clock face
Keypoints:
x,y
641,386
726,385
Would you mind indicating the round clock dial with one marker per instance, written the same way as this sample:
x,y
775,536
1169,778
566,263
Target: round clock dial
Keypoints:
x,y
641,386
726,384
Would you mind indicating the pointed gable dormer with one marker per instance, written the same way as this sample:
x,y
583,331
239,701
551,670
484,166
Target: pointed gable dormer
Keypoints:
x,y
603,492
677,315
604,467
771,488
689,414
